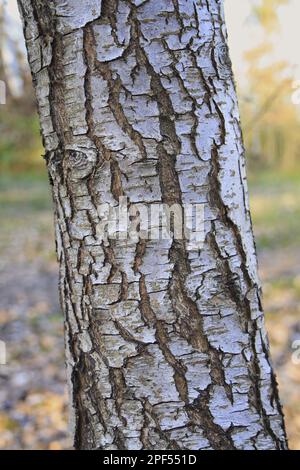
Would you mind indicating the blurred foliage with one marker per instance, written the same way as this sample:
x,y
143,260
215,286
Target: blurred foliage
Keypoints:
x,y
20,144
266,13
270,121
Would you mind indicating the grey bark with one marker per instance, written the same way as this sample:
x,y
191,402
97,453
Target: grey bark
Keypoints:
x,y
166,345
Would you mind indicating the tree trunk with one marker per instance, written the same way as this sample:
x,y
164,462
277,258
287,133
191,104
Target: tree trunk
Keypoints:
x,y
166,345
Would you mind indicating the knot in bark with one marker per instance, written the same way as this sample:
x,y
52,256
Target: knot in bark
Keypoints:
x,y
223,61
81,163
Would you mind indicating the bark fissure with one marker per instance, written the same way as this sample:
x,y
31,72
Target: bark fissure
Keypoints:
x,y
171,194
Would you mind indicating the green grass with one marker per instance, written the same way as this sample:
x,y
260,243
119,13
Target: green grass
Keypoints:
x,y
27,229
275,206
27,192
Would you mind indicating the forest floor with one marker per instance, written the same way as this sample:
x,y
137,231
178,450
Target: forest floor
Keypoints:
x,y
33,397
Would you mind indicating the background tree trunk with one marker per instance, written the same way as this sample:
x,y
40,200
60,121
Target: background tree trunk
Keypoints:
x,y
166,346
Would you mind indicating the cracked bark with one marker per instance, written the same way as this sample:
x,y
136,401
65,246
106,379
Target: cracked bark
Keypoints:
x,y
166,346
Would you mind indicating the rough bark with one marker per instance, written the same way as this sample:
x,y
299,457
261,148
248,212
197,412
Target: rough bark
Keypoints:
x,y
166,345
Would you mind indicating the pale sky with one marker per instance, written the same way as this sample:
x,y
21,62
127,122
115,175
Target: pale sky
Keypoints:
x,y
243,33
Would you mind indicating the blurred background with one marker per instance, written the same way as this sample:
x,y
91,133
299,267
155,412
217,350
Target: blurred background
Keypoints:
x,y
264,37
